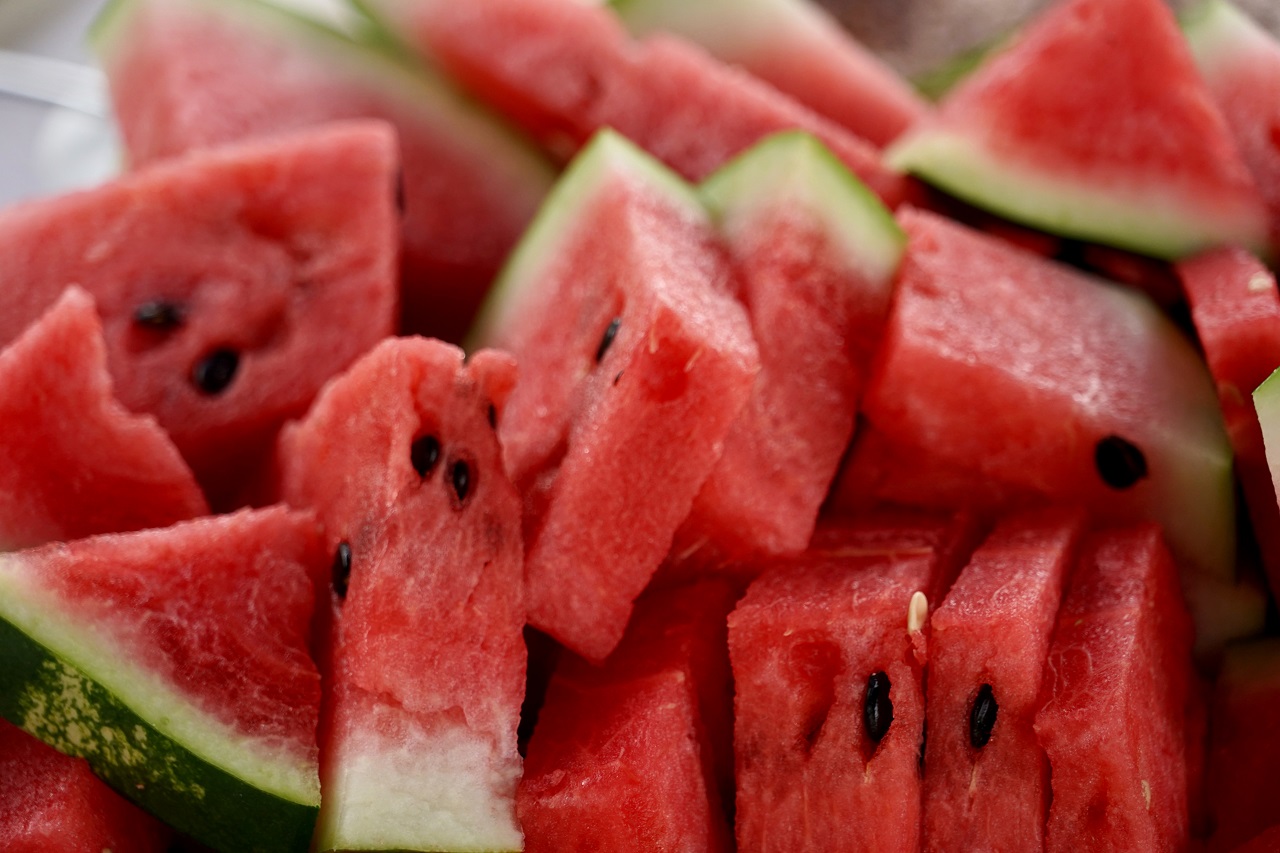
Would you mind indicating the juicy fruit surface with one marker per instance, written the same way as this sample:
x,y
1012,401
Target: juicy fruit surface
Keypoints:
x,y
816,254
1117,688
74,462
400,461
1132,153
805,643
618,306
978,324
177,667
227,256
993,630
196,74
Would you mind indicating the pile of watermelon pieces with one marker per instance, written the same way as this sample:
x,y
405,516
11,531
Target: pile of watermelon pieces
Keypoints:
x,y
557,425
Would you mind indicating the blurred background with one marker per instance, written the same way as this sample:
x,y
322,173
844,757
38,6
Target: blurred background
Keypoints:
x,y
47,148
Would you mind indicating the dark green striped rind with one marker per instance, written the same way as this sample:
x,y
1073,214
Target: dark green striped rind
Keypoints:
x,y
66,708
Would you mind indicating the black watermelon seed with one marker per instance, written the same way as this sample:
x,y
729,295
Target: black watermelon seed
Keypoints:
x,y
158,314
213,373
342,569
982,719
493,415
877,707
1119,462
607,341
460,477
424,454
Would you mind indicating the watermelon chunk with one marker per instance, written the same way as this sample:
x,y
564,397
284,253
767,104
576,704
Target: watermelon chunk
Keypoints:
x,y
75,462
196,74
986,778
1115,699
564,70
1236,309
816,253
635,360
399,458
1244,745
175,661
1094,123
52,803
625,754
1087,393
225,281
1240,62
797,47
829,703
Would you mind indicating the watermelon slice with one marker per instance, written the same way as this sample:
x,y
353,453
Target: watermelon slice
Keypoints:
x,y
1085,393
829,703
1115,699
1094,124
176,662
653,711
816,253
52,803
80,464
225,281
986,778
635,360
398,457
1244,743
1240,62
565,70
795,46
1236,309
200,73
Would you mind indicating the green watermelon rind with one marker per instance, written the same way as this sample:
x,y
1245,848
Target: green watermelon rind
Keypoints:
x,y
753,22
1150,220
794,168
79,691
607,153
1222,38
371,58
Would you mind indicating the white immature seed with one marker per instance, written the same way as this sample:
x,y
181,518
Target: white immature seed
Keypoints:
x,y
917,612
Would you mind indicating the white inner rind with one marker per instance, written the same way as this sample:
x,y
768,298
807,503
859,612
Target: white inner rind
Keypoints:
x,y
102,652
1153,219
394,785
794,167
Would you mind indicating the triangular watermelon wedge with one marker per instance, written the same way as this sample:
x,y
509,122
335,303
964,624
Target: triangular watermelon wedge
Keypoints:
x,y
1094,124
232,283
176,662
73,461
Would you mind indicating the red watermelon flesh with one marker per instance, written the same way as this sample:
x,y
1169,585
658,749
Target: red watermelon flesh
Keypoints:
x,y
196,74
986,786
819,645
816,254
1244,744
1094,123
225,281
606,730
564,70
1236,310
176,661
1240,62
1115,699
74,462
635,360
400,460
1267,841
1043,381
52,803
796,47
